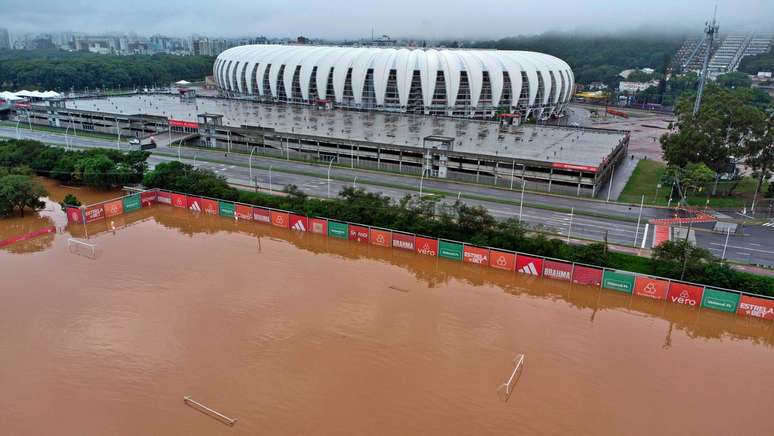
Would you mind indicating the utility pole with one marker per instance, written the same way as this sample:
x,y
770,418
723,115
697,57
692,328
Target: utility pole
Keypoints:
x,y
710,30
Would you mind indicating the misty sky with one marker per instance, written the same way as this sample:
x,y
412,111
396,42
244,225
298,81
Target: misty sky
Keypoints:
x,y
430,19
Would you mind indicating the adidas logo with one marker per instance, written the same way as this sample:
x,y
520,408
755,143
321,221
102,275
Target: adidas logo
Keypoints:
x,y
529,269
299,226
195,207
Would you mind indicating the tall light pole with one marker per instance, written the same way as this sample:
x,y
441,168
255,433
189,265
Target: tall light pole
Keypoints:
x,y
67,142
569,229
710,30
179,146
354,183
421,179
610,183
18,120
513,172
270,188
250,163
521,202
329,177
637,233
725,246
118,135
194,159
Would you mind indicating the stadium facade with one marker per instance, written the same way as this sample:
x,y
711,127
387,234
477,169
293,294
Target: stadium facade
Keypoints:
x,y
461,83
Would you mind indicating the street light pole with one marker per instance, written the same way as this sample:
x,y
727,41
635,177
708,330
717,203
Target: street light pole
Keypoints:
x,y
354,183
250,163
610,183
569,229
637,233
513,172
17,128
521,202
421,179
179,146
330,164
725,246
270,187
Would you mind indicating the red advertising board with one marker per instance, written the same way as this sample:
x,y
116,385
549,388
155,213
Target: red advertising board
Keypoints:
x,y
164,197
318,225
209,206
477,255
243,212
645,286
529,265
94,213
756,307
358,233
114,208
584,275
502,260
74,215
280,219
557,270
179,200
299,223
261,215
382,238
681,293
28,236
181,123
194,204
566,166
426,246
403,241
147,198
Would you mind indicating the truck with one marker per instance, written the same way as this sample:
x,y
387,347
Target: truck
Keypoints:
x,y
143,143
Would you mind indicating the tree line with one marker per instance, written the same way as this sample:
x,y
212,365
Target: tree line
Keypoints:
x,y
64,71
460,222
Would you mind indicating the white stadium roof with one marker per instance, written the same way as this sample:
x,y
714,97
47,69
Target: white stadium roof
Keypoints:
x,y
244,70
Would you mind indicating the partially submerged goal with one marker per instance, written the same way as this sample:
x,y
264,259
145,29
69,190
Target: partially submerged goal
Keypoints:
x,y
82,248
504,390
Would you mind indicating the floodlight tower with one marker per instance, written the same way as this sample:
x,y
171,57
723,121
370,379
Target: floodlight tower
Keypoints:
x,y
710,30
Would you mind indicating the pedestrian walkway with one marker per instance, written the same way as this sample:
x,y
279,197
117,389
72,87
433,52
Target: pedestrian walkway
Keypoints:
x,y
661,234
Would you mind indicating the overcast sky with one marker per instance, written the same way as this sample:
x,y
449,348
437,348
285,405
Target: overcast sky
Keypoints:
x,y
430,19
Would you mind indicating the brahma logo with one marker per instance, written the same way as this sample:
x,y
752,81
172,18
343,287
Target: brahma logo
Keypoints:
x,y
556,274
401,243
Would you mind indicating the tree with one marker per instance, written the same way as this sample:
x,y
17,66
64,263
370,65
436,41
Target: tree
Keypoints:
x,y
70,200
734,79
759,150
693,178
18,192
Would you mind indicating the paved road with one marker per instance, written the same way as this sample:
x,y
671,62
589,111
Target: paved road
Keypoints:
x,y
755,246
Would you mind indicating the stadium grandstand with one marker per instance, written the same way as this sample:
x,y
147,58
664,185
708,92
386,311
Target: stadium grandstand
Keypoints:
x,y
459,83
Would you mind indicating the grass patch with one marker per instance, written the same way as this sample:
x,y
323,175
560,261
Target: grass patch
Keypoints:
x,y
82,133
648,173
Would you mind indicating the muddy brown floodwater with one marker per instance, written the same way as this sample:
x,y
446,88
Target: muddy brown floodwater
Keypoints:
x,y
297,334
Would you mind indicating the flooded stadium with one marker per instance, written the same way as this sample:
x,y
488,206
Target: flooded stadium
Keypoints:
x,y
294,333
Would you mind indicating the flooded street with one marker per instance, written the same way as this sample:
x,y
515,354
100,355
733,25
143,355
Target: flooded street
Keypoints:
x,y
293,333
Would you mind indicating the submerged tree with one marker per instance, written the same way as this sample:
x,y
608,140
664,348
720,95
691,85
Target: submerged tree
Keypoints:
x,y
19,192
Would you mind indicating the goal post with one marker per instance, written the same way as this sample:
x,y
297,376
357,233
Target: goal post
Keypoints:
x,y
82,248
505,390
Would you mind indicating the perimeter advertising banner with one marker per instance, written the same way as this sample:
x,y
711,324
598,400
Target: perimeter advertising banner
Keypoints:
x,y
682,293
476,255
403,241
618,281
94,213
720,300
148,198
114,208
382,238
132,203
557,270
502,260
194,203
358,233
299,223
74,215
645,286
529,265
586,275
179,200
226,208
280,219
338,230
243,212
164,197
210,206
756,307
450,250
319,226
426,246
261,215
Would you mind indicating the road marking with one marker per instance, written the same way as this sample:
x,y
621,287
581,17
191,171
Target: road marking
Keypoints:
x,y
743,248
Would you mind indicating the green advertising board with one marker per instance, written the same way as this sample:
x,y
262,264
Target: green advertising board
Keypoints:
x,y
132,202
720,300
338,230
226,208
618,281
450,250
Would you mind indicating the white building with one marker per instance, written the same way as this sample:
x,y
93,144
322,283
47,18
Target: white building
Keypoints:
x,y
633,87
469,83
